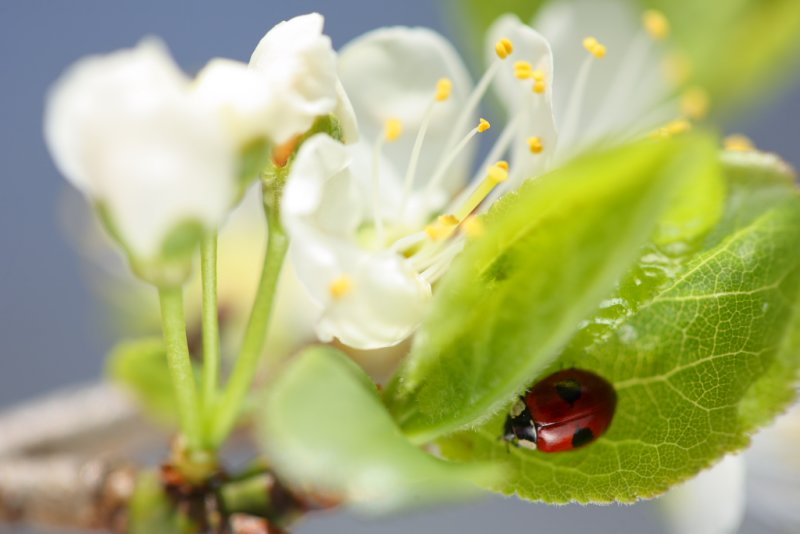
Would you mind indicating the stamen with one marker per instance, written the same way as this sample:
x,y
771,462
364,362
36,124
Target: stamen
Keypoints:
x,y
738,143
504,48
473,227
594,47
523,70
442,227
340,287
497,173
443,89
448,160
535,145
392,130
575,102
675,127
656,24
695,103
472,103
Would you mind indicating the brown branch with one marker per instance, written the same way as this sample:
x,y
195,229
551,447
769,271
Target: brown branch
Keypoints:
x,y
66,492
91,419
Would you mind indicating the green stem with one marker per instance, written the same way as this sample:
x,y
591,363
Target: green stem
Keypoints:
x,y
255,334
180,365
211,347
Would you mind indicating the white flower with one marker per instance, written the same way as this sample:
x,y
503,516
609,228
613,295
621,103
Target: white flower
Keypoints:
x,y
360,216
161,156
124,130
762,485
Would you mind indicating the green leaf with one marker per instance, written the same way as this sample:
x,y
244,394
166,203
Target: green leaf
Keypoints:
x,y
550,253
703,348
325,430
141,367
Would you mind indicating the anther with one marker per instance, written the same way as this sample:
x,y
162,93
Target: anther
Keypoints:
x,y
483,125
695,103
497,173
502,164
392,129
503,48
738,143
442,228
539,87
675,127
340,287
523,70
535,145
443,89
594,47
656,24
473,227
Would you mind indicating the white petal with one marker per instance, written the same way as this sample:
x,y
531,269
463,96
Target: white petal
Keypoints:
x,y
240,95
611,104
533,111
392,74
300,66
384,306
85,102
124,129
711,503
322,210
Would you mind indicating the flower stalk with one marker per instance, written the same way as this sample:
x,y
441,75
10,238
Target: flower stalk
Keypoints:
x,y
256,331
211,344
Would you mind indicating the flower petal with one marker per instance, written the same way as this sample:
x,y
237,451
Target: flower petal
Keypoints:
x,y
533,111
300,68
710,503
322,210
240,95
124,130
86,100
392,74
626,88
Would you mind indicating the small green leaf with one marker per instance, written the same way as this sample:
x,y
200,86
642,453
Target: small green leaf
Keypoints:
x,y
141,367
325,430
551,252
703,348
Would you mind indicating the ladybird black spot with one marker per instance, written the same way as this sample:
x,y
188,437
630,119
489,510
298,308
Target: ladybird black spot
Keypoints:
x,y
569,390
581,437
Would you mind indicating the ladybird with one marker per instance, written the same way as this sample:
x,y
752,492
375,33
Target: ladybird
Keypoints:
x,y
565,411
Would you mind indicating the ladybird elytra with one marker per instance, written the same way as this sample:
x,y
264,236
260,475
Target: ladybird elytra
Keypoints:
x,y
562,412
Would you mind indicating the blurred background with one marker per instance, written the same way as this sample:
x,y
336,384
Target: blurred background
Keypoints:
x,y
50,328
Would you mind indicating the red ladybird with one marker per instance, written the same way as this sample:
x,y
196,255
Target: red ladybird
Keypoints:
x,y
562,412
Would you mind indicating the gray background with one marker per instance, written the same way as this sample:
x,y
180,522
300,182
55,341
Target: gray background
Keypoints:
x,y
49,327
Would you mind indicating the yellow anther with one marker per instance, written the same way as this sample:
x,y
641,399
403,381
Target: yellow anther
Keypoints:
x,y
483,125
497,173
523,70
539,87
535,145
695,103
538,75
443,89
656,24
340,287
447,220
594,47
392,129
738,143
502,164
503,48
675,127
678,127
437,231
473,227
